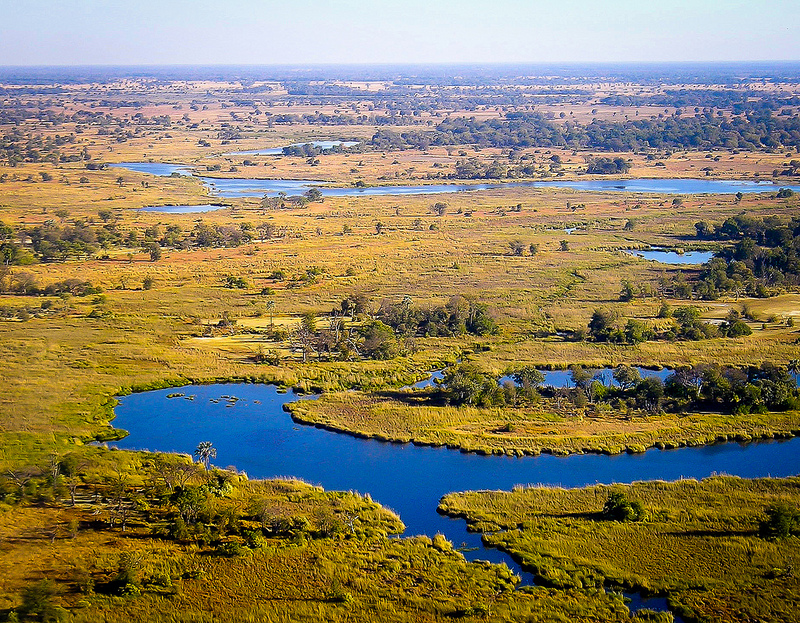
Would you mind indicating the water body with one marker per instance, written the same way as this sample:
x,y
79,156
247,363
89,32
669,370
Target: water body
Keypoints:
x,y
154,168
563,378
278,151
255,435
672,257
252,187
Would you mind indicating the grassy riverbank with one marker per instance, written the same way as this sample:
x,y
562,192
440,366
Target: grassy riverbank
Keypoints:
x,y
405,417
698,543
163,539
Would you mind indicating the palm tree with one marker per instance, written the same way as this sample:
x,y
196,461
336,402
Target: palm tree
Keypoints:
x,y
794,368
270,306
205,452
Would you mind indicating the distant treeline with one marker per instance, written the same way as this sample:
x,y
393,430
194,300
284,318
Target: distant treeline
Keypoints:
x,y
523,130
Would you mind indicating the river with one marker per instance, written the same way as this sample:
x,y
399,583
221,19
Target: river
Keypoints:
x,y
256,187
253,433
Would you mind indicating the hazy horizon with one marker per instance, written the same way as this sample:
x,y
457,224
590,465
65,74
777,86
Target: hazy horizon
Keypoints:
x,y
345,32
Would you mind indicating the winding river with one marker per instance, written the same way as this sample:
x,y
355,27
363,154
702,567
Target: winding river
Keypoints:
x,y
256,187
251,431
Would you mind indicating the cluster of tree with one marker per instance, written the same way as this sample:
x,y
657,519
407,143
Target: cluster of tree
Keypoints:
x,y
707,387
26,283
52,241
703,100
475,169
343,341
765,254
714,387
521,130
703,387
282,201
308,150
458,316
17,146
608,166
605,326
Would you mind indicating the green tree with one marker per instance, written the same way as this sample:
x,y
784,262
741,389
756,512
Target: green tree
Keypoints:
x,y
781,521
466,384
626,376
37,601
619,508
528,377
154,249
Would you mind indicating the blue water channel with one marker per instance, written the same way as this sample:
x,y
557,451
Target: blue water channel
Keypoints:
x,y
252,187
663,256
248,427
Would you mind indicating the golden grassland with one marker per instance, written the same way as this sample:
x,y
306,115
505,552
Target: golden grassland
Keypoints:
x,y
548,427
698,545
63,364
326,571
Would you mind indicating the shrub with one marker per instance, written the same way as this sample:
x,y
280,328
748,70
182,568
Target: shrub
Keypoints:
x,y
781,522
619,508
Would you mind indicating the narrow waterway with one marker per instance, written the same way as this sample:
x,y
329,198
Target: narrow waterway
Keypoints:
x,y
251,431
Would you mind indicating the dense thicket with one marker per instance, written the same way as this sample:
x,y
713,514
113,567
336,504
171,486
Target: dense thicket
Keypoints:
x,y
765,254
755,130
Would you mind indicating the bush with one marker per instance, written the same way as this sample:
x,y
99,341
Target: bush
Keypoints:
x,y
782,521
619,508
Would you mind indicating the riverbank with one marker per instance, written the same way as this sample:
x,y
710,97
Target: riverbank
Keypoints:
x,y
406,418
726,571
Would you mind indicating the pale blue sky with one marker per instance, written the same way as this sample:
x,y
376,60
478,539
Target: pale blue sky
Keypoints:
x,y
68,32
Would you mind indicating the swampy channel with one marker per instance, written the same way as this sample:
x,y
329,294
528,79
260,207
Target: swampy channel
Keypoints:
x,y
251,431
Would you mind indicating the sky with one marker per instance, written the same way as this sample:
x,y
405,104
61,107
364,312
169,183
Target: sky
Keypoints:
x,y
136,32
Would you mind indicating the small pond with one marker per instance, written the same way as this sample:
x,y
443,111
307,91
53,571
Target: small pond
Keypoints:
x,y
673,257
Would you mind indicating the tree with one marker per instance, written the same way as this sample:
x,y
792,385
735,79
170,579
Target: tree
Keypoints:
x,y
564,245
582,377
204,452
517,247
781,522
528,377
602,325
466,384
379,341
154,249
439,208
626,376
649,392
313,194
619,508
627,293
